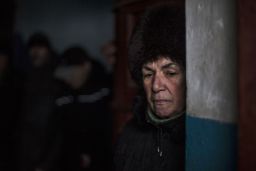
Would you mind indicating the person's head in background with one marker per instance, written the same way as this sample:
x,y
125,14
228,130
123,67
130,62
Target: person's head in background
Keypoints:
x,y
157,61
75,67
108,50
39,50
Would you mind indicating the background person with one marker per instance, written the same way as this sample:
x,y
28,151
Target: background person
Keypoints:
x,y
82,113
39,89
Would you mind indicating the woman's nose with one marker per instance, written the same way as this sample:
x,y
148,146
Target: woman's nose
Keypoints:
x,y
157,83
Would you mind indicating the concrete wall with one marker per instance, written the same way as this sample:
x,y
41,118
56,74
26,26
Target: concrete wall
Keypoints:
x,y
212,85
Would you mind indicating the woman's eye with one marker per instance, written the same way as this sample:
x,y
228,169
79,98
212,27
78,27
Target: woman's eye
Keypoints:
x,y
170,73
147,75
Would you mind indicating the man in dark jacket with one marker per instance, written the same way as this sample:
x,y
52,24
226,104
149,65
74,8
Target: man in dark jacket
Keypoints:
x,y
154,140
82,109
38,96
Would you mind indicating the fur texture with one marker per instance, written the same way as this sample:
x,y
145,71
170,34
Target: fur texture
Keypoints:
x,y
161,32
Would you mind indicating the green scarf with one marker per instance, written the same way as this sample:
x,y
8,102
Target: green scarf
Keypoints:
x,y
158,121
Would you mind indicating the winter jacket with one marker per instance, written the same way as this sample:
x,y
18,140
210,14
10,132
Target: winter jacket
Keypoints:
x,y
146,146
40,89
84,124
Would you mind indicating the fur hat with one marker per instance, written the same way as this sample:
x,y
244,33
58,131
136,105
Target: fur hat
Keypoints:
x,y
160,32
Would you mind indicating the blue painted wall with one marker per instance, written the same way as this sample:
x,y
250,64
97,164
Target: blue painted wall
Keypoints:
x,y
211,145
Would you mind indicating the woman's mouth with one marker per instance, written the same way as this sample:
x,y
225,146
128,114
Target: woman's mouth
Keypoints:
x,y
161,102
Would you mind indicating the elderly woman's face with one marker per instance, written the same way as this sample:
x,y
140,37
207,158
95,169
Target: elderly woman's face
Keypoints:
x,y
164,85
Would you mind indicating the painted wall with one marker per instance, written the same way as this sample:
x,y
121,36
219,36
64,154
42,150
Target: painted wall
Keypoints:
x,y
89,23
212,85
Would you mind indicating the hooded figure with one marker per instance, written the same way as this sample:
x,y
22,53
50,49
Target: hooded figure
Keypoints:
x,y
39,89
154,140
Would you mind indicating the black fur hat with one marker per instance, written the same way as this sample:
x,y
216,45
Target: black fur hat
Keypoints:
x,y
161,31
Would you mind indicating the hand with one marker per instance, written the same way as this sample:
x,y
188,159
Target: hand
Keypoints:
x,y
85,160
39,169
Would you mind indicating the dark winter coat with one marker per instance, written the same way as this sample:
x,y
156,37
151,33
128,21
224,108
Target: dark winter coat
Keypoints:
x,y
40,89
144,146
84,124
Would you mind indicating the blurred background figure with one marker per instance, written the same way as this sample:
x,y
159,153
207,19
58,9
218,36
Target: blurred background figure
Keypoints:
x,y
83,113
108,50
40,52
39,89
